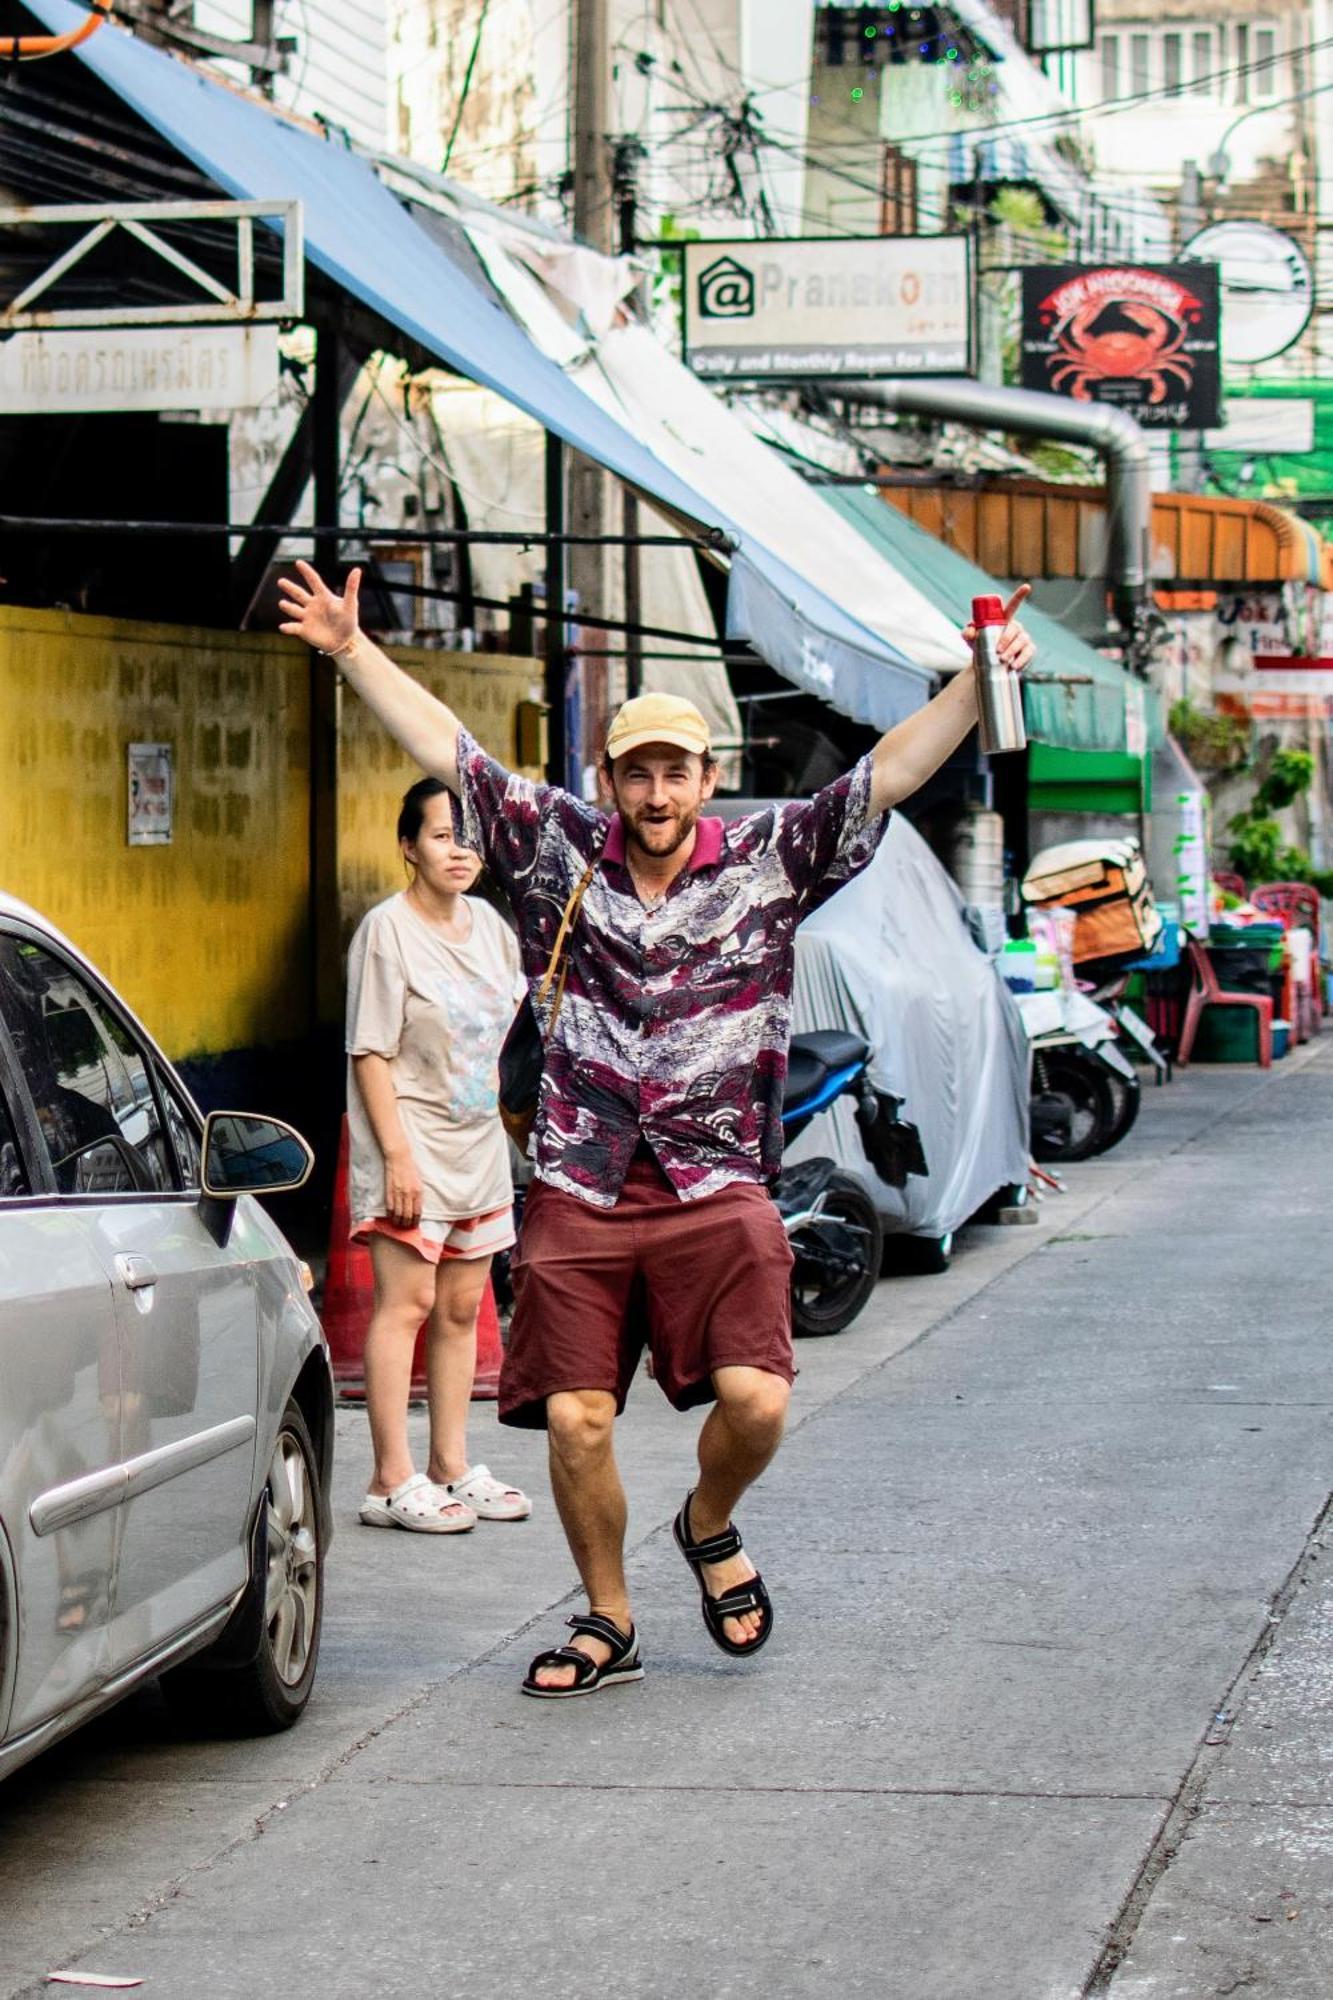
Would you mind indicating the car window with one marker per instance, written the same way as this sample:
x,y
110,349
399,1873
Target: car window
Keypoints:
x,y
89,1080
184,1131
13,1173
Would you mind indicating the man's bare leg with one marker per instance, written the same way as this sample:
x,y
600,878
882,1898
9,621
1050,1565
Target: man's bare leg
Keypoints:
x,y
743,1430
591,1503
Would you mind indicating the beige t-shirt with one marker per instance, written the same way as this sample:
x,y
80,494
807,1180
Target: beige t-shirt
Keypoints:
x,y
438,1011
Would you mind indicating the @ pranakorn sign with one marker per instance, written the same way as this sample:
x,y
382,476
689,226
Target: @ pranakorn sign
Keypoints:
x,y
824,307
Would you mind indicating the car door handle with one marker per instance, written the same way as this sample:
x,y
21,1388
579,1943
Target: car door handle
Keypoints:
x,y
135,1273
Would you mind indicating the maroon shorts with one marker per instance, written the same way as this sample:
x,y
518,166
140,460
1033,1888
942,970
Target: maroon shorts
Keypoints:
x,y
704,1284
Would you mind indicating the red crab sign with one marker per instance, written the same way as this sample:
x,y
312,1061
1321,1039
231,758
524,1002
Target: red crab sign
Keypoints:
x,y
1144,336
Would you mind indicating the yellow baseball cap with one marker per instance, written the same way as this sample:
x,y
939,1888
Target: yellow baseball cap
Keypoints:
x,y
657,718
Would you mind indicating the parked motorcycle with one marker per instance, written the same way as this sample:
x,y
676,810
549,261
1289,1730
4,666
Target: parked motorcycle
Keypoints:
x,y
1085,1091
833,1226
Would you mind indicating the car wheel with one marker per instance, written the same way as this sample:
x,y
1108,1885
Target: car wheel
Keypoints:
x,y
918,1256
269,1691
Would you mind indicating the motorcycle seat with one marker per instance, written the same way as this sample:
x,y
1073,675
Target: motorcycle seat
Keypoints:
x,y
812,1058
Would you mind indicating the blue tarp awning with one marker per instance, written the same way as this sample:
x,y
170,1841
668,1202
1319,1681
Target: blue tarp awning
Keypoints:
x,y
368,242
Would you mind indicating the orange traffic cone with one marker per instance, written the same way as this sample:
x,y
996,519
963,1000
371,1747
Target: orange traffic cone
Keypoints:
x,y
349,1300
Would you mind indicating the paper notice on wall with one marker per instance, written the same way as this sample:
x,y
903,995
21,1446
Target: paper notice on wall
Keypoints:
x,y
150,794
1136,719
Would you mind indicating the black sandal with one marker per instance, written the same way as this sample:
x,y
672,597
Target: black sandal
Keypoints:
x,y
623,1665
749,1596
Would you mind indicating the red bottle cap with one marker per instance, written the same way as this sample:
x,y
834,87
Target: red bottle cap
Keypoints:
x,y
988,611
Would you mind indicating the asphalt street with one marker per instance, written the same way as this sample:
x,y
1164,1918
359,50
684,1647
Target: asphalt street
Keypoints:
x,y
1048,1712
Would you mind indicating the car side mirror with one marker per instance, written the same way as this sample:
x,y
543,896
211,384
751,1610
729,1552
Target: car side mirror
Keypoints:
x,y
246,1153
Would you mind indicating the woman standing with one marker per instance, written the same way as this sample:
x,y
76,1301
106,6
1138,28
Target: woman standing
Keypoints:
x,y
433,978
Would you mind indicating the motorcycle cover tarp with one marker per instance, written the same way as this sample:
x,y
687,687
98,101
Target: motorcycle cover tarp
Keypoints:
x,y
890,958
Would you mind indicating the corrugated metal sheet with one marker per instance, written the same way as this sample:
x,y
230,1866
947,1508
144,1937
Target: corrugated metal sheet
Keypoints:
x,y
1029,529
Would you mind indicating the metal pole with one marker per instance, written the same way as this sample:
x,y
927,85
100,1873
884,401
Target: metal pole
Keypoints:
x,y
593,215
556,658
1189,218
627,156
325,989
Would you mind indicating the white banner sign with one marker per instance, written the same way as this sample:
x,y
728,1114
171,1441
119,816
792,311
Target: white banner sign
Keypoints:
x,y
1264,424
138,368
150,794
1278,673
829,306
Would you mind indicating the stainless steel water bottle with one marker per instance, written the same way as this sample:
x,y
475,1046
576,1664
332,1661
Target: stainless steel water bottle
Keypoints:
x,y
999,692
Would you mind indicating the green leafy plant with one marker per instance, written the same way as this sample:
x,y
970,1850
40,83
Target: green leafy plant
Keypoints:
x,y
668,280
1211,742
1258,849
1290,774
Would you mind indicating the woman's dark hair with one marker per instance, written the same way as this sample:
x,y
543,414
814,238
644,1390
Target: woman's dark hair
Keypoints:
x,y
414,806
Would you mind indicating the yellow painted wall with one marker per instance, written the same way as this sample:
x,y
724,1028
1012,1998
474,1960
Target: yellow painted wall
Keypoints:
x,y
483,689
204,937
207,937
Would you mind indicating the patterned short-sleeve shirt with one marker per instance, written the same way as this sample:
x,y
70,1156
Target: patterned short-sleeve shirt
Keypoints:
x,y
677,1014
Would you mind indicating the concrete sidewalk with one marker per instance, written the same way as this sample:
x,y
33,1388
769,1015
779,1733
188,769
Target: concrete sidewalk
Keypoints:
x,y
1047,1713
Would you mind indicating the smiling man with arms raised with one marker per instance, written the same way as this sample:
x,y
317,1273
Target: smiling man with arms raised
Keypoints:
x,y
659,1122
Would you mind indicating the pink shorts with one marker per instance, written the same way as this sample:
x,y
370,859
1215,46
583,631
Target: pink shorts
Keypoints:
x,y
466,1240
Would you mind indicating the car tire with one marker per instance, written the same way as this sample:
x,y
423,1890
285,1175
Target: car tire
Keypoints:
x,y
918,1256
269,1691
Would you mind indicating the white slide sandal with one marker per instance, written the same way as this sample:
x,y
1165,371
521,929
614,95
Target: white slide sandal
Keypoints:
x,y
418,1505
489,1498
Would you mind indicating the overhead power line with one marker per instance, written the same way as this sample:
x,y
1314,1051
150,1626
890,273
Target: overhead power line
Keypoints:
x,y
1108,107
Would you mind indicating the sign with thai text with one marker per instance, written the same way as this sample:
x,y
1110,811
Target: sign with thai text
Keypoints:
x,y
824,307
1141,336
77,372
150,794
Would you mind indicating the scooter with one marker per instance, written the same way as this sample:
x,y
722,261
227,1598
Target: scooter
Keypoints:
x,y
832,1224
1085,1091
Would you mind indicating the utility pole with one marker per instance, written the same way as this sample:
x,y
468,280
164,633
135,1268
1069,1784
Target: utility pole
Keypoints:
x,y
591,164
625,174
591,171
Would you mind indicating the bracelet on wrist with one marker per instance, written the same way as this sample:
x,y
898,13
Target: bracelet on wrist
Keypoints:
x,y
338,652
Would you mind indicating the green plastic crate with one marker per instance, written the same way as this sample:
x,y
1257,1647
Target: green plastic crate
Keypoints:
x,y
1249,937
1228,1035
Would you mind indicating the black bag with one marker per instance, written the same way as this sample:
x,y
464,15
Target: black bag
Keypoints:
x,y
523,1054
892,1146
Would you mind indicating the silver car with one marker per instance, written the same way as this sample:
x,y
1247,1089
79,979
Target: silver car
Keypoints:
x,y
166,1399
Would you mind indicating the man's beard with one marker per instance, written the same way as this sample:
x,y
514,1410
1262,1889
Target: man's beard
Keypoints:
x,y
678,826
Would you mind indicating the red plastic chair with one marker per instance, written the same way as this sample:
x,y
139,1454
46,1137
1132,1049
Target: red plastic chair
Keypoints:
x,y
1231,883
1206,992
1297,903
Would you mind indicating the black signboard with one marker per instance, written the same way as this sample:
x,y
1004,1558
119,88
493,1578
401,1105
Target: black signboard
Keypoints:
x,y
1142,336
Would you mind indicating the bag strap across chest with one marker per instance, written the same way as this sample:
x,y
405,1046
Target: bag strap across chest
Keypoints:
x,y
557,967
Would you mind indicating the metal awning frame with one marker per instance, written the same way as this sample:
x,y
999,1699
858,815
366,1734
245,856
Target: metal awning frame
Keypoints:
x,y
142,220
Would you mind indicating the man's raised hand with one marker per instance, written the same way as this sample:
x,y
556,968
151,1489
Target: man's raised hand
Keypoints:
x,y
313,613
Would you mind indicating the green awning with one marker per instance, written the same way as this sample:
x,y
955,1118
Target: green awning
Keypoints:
x,y
1088,781
1073,698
